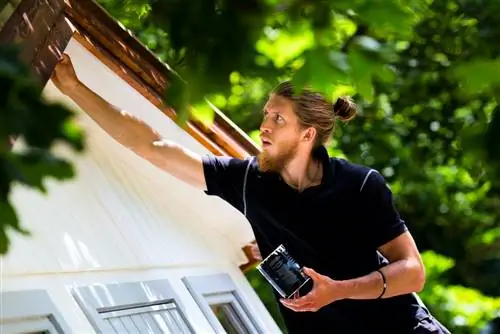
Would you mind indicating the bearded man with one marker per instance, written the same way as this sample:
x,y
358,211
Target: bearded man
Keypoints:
x,y
334,217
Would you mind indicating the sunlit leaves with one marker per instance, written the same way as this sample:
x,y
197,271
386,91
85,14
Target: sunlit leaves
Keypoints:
x,y
321,72
436,265
490,236
282,46
362,74
204,112
388,17
466,310
368,61
269,39
324,69
131,11
444,183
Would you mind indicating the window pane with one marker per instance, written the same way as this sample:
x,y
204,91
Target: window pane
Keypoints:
x,y
155,319
229,319
181,323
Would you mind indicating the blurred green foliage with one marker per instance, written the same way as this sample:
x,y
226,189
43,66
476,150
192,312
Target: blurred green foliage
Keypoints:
x,y
425,75
465,310
40,126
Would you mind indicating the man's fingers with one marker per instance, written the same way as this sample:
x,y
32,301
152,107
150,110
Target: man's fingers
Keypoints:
x,y
256,252
309,307
298,302
64,58
54,79
306,299
313,274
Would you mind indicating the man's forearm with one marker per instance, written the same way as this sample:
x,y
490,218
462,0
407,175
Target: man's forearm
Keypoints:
x,y
402,277
121,125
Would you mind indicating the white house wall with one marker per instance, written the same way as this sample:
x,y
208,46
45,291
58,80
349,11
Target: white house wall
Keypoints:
x,y
120,211
121,218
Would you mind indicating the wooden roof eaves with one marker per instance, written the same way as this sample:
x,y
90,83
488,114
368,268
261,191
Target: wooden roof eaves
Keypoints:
x,y
145,90
100,26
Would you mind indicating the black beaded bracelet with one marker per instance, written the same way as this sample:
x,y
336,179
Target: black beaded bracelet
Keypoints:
x,y
385,283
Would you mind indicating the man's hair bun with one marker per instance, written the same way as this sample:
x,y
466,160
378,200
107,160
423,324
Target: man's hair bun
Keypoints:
x,y
345,108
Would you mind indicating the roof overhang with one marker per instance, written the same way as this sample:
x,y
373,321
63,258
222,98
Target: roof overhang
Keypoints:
x,y
44,29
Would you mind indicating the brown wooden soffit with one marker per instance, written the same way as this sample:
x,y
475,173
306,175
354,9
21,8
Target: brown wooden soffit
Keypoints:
x,y
39,26
145,90
103,30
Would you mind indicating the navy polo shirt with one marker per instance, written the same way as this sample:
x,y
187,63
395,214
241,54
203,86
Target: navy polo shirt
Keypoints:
x,y
334,228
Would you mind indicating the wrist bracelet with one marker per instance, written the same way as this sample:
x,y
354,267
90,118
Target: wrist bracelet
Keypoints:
x,y
384,281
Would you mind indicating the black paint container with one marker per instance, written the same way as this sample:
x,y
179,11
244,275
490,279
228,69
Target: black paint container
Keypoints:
x,y
284,274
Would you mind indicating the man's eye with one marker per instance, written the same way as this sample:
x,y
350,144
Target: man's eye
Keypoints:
x,y
279,119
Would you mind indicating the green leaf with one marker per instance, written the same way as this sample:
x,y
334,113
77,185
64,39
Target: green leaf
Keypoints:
x,y
282,46
33,166
368,61
362,73
204,112
8,218
177,97
388,17
322,71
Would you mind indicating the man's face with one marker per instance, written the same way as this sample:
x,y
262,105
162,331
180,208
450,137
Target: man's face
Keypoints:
x,y
280,134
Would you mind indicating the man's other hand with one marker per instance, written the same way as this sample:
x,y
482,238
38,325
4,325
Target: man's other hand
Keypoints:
x,y
255,251
325,291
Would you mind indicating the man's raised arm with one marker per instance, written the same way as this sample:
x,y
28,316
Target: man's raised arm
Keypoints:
x,y
129,131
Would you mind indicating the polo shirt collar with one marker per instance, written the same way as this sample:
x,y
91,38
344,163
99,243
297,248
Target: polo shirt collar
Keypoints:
x,y
321,153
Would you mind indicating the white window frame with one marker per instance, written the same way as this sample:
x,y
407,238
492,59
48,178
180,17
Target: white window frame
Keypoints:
x,y
112,297
218,289
30,311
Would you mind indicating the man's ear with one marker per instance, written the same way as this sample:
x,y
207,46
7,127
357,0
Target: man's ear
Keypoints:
x,y
309,134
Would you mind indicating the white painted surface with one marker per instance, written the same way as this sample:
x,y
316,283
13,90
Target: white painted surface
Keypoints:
x,y
121,218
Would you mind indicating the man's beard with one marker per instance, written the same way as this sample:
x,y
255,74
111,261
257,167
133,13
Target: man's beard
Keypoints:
x,y
276,162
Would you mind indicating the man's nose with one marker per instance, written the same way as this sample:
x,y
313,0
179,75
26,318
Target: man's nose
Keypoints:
x,y
265,126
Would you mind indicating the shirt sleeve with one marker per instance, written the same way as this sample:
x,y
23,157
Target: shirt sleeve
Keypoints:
x,y
383,219
224,178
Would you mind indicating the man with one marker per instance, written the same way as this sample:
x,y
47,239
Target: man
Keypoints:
x,y
334,217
